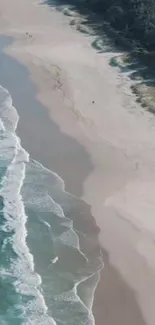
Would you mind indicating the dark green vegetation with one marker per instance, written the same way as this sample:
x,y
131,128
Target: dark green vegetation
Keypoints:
x,y
134,18
126,26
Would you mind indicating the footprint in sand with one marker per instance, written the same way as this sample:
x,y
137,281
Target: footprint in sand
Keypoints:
x,y
29,35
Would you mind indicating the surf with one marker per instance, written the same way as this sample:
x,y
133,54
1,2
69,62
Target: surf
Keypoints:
x,y
43,262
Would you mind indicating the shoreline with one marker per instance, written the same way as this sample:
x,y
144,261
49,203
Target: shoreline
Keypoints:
x,y
83,210
114,158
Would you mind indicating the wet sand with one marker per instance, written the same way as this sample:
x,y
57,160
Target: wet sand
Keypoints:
x,y
35,129
97,139
40,136
115,302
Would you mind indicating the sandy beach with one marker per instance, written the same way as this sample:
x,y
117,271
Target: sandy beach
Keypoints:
x,y
102,145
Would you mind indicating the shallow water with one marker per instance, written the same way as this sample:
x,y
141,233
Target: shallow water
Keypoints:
x,y
50,257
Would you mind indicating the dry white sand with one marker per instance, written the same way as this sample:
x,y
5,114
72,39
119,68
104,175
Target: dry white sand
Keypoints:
x,y
117,132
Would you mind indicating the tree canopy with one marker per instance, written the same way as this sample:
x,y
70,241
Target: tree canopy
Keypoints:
x,y
135,18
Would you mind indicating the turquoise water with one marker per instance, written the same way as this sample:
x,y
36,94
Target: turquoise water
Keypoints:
x,y
49,258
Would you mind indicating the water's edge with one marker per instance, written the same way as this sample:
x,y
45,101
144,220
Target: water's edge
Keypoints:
x,y
73,259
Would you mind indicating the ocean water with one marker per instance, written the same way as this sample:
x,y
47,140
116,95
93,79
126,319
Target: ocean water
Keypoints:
x,y
50,259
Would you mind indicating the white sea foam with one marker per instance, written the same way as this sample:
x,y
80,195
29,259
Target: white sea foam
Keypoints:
x,y
69,237
28,282
55,260
46,203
